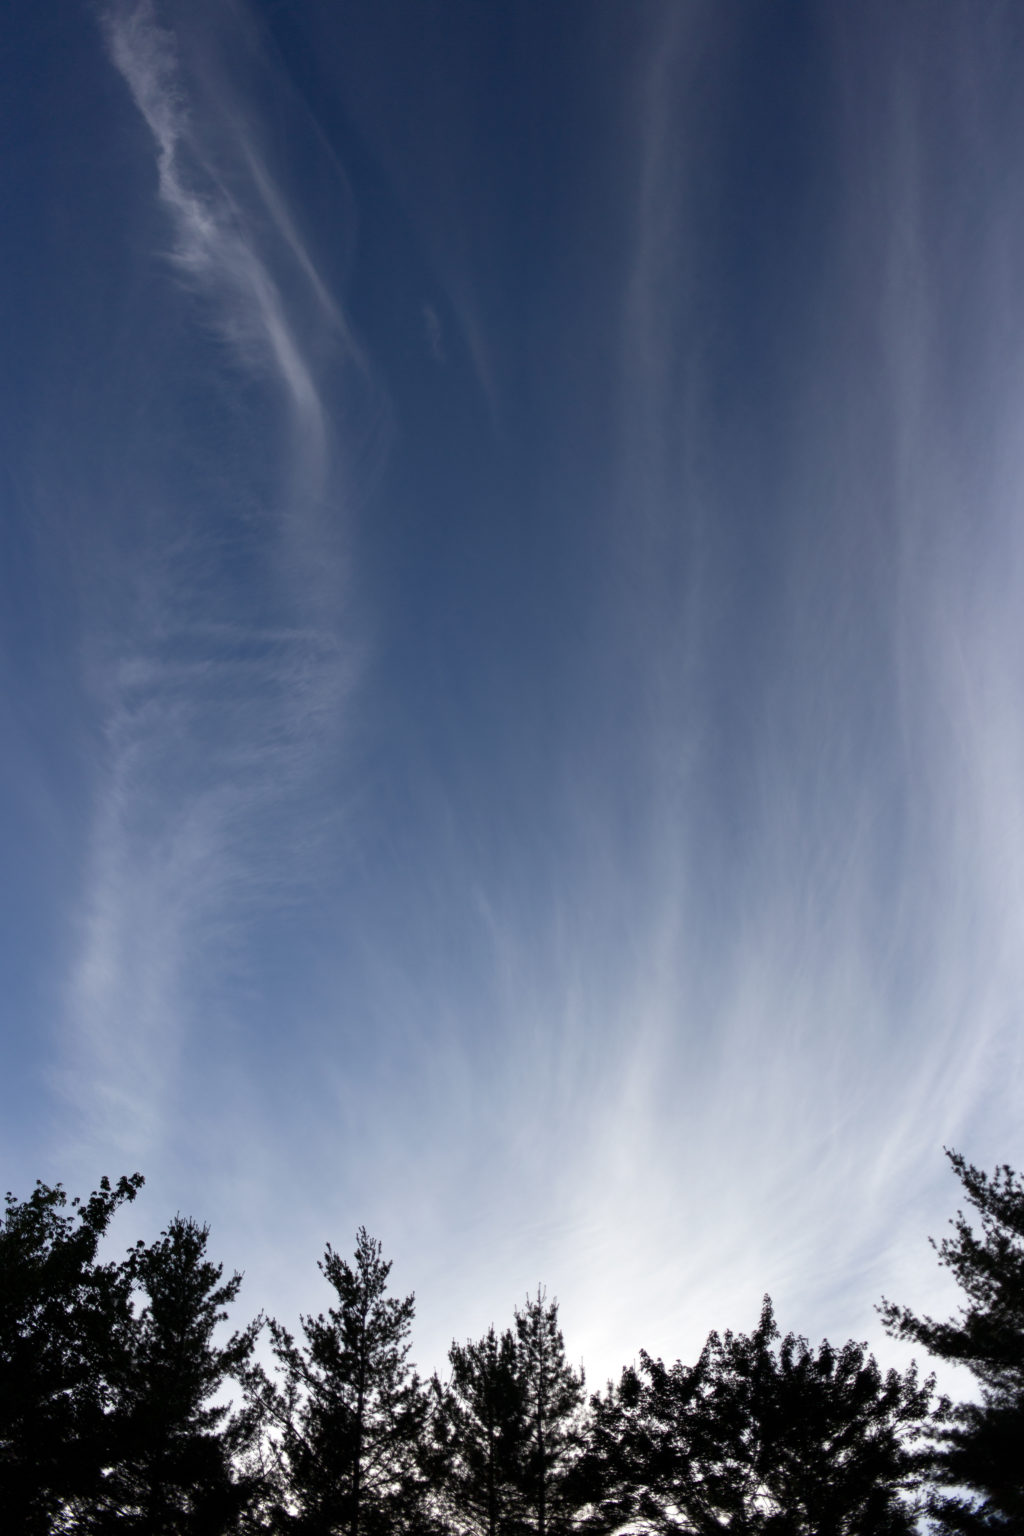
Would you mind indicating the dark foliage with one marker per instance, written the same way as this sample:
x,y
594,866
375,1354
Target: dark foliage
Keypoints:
x,y
480,1434
979,1461
507,1430
553,1395
113,1412
177,1449
346,1421
64,1318
107,1372
761,1435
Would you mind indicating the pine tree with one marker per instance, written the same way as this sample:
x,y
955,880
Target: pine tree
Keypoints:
x,y
346,1420
553,1394
480,1432
979,1462
761,1435
176,1468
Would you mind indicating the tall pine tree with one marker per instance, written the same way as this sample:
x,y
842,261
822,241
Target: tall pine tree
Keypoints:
x,y
176,1467
346,1418
553,1394
480,1434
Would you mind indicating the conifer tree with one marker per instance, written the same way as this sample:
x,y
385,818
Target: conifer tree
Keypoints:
x,y
346,1420
481,1433
979,1461
553,1395
176,1463
761,1435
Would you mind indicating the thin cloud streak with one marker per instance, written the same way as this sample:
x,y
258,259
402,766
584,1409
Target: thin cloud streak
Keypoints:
x,y
707,1068
844,1020
211,246
219,728
691,1019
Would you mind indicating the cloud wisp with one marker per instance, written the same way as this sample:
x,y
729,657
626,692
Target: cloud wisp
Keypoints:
x,y
213,245
681,925
223,675
803,943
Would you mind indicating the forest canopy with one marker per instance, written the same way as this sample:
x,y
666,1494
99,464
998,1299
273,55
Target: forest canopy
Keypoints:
x,y
125,1405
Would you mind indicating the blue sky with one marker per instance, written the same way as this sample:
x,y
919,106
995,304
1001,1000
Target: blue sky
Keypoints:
x,y
510,643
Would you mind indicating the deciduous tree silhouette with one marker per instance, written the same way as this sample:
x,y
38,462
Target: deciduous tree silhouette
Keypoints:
x,y
979,1465
63,1319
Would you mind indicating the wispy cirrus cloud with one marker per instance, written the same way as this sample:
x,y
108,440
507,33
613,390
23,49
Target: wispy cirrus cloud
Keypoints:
x,y
814,676
222,675
214,245
674,997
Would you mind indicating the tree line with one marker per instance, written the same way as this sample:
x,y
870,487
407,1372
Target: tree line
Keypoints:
x,y
115,1414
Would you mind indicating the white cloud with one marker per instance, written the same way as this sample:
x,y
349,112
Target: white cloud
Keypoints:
x,y
214,244
221,725
670,1087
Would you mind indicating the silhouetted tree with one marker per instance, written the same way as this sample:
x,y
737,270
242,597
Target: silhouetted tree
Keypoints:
x,y
177,1467
979,1465
481,1432
63,1319
553,1395
347,1418
760,1437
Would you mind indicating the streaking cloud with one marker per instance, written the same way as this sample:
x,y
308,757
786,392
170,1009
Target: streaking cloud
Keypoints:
x,y
222,704
543,699
214,244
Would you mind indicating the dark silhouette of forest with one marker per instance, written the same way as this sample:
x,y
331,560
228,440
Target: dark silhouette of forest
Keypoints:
x,y
123,1408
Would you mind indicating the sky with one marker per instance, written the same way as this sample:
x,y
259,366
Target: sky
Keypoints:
x,y
512,644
